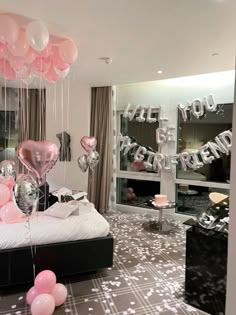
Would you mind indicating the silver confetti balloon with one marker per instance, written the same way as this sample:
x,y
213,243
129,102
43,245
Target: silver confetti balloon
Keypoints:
x,y
8,168
26,194
83,163
93,159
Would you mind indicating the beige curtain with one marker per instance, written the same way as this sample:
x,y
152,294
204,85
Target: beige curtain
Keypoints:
x,y
100,127
32,115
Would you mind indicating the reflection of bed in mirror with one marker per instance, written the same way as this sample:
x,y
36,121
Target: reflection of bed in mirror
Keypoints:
x,y
191,175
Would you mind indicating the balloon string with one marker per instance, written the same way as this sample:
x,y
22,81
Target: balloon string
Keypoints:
x,y
32,248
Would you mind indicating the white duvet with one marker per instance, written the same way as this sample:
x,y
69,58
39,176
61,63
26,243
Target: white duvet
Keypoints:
x,y
46,229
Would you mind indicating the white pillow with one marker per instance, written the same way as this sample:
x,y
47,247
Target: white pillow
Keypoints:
x,y
61,210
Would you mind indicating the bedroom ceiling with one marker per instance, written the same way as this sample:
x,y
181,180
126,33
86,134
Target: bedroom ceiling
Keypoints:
x,y
183,37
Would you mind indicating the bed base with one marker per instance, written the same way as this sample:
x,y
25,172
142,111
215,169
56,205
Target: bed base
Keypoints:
x,y
65,259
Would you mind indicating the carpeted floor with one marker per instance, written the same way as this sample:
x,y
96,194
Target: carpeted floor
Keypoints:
x,y
146,279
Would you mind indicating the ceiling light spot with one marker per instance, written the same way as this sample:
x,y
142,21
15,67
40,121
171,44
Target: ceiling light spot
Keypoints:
x,y
159,72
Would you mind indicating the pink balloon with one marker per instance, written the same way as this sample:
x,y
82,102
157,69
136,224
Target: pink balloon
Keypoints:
x,y
51,76
31,295
9,29
43,304
8,72
3,49
10,214
38,156
24,73
59,294
20,46
7,181
57,61
45,281
41,64
5,194
46,52
68,51
16,62
30,55
88,143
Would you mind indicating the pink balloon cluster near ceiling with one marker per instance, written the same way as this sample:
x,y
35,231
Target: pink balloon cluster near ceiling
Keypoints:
x,y
29,52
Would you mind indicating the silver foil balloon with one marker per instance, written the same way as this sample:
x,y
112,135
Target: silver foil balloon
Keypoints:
x,y
83,163
8,168
93,159
26,194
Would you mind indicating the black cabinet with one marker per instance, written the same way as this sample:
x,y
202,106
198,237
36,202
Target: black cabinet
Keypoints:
x,y
206,269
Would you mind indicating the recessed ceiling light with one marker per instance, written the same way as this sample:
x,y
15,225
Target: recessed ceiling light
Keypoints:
x,y
159,72
215,54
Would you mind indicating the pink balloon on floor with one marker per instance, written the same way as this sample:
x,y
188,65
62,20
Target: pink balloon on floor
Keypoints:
x,y
59,294
8,181
10,214
5,194
45,281
43,304
31,295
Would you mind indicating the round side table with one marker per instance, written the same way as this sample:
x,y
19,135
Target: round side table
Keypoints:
x,y
161,225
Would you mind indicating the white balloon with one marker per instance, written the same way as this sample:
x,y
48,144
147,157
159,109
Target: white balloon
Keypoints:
x,y
184,109
210,103
196,162
37,35
62,74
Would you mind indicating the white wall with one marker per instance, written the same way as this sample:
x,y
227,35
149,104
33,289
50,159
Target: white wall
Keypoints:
x,y
68,109
168,93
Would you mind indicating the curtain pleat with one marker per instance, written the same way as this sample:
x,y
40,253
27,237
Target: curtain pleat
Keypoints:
x,y
100,127
32,115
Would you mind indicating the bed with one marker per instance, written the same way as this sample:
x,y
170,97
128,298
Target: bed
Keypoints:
x,y
77,244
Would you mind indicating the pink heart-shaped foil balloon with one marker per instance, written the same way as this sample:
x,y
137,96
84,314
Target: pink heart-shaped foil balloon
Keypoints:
x,y
38,156
88,143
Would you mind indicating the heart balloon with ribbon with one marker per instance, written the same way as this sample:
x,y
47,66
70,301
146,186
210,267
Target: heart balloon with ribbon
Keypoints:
x,y
39,157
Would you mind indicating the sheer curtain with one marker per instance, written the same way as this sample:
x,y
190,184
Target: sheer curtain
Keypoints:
x,y
101,128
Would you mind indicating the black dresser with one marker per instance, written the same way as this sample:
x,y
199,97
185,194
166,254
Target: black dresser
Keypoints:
x,y
206,269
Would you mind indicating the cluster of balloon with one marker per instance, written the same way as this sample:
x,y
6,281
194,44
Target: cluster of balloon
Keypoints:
x,y
91,160
19,193
46,294
29,52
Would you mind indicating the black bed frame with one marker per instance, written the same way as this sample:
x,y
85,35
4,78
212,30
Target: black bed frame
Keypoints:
x,y
64,259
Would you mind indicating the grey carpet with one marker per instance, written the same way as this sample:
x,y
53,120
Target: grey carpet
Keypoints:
x,y
146,279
